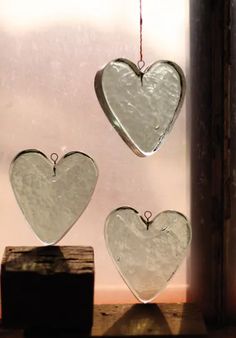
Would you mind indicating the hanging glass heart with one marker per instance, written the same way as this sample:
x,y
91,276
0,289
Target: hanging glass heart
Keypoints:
x,y
147,253
141,106
52,198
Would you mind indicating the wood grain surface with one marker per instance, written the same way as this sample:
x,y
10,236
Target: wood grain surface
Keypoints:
x,y
47,286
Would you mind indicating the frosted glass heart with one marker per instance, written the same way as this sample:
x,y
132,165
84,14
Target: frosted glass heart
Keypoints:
x,y
141,106
147,254
52,200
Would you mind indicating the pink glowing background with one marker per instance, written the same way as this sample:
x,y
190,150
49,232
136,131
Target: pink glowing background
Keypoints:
x,y
50,52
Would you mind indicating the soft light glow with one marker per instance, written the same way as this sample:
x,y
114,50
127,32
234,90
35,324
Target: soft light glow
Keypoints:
x,y
50,53
31,14
28,14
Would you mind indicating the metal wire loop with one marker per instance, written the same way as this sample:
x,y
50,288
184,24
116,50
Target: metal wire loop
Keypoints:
x,y
141,64
148,215
54,157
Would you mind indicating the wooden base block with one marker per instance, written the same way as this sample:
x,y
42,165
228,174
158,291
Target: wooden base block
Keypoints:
x,y
48,287
138,320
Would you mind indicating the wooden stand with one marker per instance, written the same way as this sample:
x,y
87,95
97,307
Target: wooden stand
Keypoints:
x,y
49,287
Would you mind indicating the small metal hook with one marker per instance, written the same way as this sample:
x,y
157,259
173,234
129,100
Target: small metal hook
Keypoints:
x,y
54,158
141,64
148,215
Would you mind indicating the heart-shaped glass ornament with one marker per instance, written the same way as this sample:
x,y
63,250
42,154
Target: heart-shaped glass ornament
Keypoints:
x,y
141,106
147,253
52,196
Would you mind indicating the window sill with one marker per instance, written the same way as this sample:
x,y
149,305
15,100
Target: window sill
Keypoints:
x,y
179,319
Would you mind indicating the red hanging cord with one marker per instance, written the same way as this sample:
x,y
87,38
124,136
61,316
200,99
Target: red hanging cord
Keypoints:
x,y
141,63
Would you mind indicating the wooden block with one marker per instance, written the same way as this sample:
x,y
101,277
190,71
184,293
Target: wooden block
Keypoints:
x,y
48,287
137,320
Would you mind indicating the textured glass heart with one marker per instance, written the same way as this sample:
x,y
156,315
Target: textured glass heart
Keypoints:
x,y
147,254
141,106
52,201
